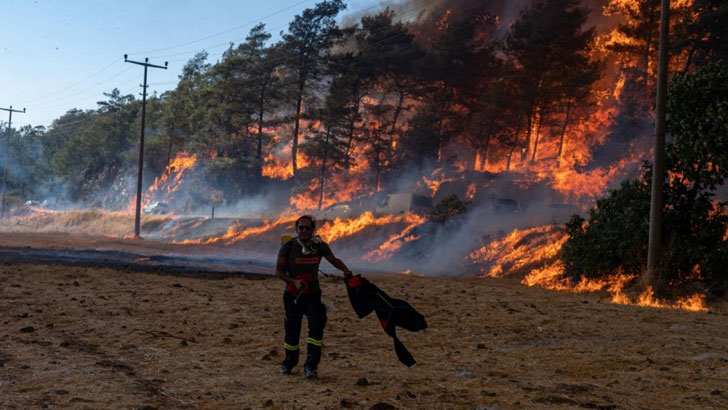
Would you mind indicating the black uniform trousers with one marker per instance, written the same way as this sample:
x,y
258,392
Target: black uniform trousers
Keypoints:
x,y
296,307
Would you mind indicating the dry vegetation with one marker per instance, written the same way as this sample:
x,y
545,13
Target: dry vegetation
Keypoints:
x,y
86,222
73,337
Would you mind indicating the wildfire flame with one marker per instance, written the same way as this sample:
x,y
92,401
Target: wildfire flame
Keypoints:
x,y
470,193
562,153
183,162
339,228
238,232
338,189
437,179
540,246
278,164
392,245
169,182
510,252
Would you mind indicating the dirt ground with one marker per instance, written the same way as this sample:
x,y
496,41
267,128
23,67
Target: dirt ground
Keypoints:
x,y
99,338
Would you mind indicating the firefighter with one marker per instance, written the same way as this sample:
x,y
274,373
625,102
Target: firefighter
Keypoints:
x,y
298,266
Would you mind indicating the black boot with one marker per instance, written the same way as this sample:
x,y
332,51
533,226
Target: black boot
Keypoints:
x,y
313,357
289,362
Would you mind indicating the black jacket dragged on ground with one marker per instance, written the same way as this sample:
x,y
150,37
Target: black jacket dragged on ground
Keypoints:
x,y
365,297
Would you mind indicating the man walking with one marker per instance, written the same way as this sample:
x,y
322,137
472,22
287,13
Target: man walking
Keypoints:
x,y
298,266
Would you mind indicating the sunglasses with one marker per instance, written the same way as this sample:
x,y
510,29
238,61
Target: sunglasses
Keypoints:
x,y
305,228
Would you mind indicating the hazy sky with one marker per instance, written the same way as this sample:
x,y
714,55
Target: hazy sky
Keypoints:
x,y
61,54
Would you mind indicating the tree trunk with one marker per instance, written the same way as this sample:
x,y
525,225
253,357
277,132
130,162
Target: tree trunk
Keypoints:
x,y
532,108
398,110
377,162
538,133
244,135
169,147
563,132
352,121
323,167
443,107
510,155
259,151
515,145
294,147
486,148
529,124
689,59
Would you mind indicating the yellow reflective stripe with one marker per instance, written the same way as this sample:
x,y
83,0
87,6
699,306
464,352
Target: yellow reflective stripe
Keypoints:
x,y
314,342
290,347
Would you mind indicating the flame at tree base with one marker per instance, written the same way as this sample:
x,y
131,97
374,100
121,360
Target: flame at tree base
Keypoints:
x,y
526,247
552,277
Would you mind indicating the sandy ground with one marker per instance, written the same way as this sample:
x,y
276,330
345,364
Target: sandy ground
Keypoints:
x,y
98,338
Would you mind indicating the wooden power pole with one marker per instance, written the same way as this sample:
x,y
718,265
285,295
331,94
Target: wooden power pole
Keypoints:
x,y
658,166
7,154
146,65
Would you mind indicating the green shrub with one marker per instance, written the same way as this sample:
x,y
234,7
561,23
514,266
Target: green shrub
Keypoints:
x,y
450,206
694,249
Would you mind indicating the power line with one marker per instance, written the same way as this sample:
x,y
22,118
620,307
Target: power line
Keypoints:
x,y
188,52
93,87
62,125
223,32
116,61
7,154
283,60
146,65
84,99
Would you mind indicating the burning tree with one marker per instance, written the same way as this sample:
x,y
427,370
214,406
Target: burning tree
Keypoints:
x,y
182,120
554,72
465,94
327,147
695,248
636,38
308,43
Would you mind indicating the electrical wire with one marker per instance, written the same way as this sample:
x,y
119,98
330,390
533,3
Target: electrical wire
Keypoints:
x,y
53,102
223,32
116,61
280,61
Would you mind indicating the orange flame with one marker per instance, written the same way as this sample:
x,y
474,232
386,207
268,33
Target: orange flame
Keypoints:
x,y
541,245
238,232
183,162
338,229
437,179
278,164
392,245
470,193
512,251
338,188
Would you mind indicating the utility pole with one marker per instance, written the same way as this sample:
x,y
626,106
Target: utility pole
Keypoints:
x,y
658,166
7,154
145,64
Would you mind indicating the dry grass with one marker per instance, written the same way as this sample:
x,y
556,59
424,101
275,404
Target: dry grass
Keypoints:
x,y
86,222
107,339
